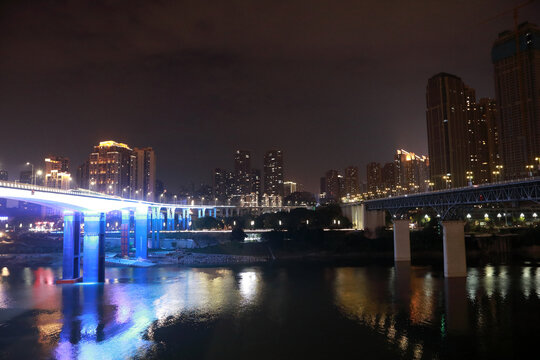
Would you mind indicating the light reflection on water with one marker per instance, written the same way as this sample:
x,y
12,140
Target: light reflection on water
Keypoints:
x,y
140,312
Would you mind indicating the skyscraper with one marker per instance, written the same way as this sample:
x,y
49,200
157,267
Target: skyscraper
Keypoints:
x,y
242,172
516,61
374,179
112,168
411,172
388,177
352,185
273,173
145,177
447,130
488,112
332,185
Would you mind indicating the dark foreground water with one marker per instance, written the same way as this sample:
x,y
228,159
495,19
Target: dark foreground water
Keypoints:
x,y
301,312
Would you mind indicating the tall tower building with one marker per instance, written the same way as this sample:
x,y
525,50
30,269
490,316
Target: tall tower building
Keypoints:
x,y
273,173
411,171
516,61
447,130
223,185
388,176
352,184
488,111
145,175
374,178
112,168
332,185
242,172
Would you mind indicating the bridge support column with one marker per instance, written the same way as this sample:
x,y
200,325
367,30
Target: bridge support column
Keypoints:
x,y
215,212
94,247
402,241
203,212
226,212
156,226
170,219
455,263
184,219
71,265
141,233
124,232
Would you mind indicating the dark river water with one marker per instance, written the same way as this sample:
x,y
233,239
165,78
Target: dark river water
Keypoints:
x,y
271,312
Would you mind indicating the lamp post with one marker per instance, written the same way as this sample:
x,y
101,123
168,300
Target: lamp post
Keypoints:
x,y
530,169
469,177
32,177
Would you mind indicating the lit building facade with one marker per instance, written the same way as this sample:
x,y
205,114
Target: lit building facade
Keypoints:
x,y
58,179
273,173
411,172
447,131
112,168
145,175
517,85
351,182
58,163
242,172
374,178
289,187
333,186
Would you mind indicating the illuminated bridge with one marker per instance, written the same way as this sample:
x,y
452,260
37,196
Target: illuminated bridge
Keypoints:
x,y
83,207
449,205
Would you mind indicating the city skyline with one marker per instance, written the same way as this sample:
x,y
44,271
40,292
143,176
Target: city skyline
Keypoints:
x,y
237,85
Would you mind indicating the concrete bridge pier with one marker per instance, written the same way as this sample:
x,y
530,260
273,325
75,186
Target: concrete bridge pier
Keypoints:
x,y
141,233
455,263
125,232
170,219
402,241
156,226
71,266
94,247
184,219
215,213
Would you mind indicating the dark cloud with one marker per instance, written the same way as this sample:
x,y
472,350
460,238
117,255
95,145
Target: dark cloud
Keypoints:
x,y
331,83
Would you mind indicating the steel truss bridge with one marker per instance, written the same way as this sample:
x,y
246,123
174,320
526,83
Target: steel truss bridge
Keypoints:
x,y
449,203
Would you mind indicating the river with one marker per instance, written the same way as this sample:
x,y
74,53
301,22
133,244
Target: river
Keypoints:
x,y
272,312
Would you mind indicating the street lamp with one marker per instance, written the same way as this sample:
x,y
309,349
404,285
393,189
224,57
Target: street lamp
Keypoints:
x,y
469,177
530,169
448,180
32,177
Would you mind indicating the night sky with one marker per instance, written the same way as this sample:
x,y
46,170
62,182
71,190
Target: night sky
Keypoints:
x,y
331,83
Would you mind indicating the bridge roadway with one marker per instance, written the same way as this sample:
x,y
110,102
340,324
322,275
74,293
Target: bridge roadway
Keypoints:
x,y
87,208
449,205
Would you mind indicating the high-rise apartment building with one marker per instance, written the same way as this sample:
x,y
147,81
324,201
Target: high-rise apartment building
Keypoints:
x,y
256,183
488,111
351,181
223,185
516,61
58,163
289,187
388,177
145,175
411,172
333,190
242,172
112,168
447,130
83,175
273,172
374,178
